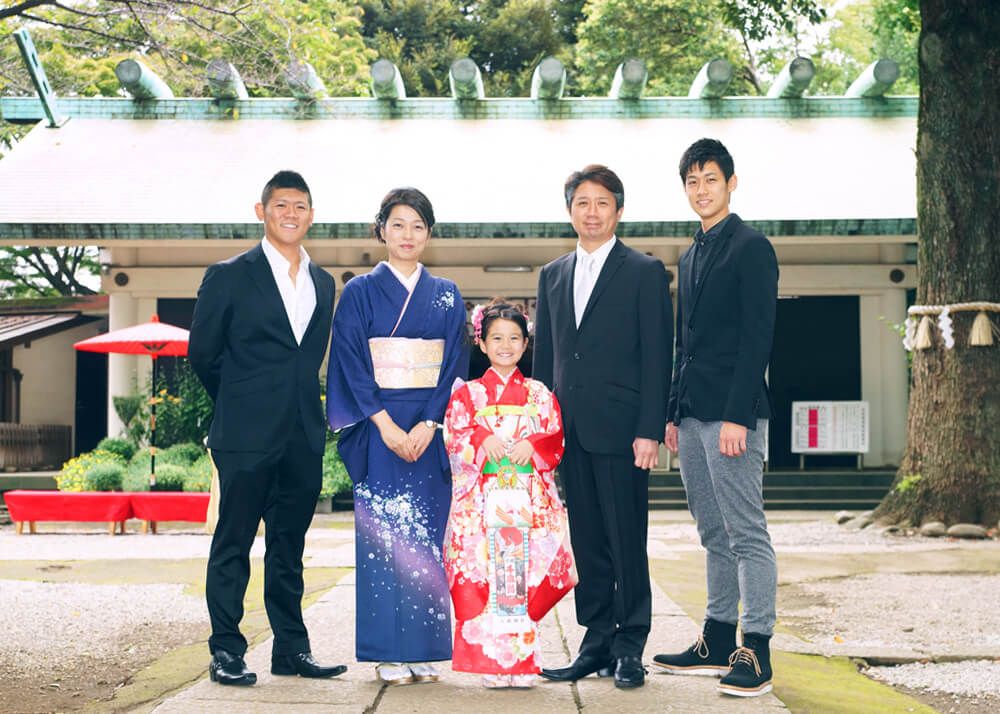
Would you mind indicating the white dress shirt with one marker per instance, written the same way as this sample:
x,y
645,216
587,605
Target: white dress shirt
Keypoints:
x,y
588,267
408,282
299,298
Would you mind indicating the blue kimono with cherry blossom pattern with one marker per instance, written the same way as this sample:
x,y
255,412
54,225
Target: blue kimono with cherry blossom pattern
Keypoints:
x,y
400,508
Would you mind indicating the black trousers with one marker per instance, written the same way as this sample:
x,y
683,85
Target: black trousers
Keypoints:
x,y
607,498
282,488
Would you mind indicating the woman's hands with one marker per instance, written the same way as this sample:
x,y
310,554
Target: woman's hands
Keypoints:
x,y
419,439
520,453
409,446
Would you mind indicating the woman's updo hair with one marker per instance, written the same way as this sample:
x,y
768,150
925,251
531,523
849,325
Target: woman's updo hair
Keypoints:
x,y
405,196
499,309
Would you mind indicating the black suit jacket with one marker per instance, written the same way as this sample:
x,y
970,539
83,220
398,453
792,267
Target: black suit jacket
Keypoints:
x,y
611,374
725,328
243,350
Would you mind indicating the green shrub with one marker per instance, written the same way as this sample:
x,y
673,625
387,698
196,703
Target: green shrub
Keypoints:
x,y
183,454
335,478
116,445
170,477
105,477
199,475
73,476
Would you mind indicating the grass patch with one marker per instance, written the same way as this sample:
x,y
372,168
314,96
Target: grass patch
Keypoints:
x,y
808,683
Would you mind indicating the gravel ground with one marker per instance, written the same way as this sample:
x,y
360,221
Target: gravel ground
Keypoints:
x,y
71,619
968,687
923,613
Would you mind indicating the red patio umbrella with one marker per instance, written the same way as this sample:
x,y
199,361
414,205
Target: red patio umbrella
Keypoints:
x,y
153,338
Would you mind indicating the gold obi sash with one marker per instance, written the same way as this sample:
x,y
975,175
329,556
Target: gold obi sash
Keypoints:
x,y
405,362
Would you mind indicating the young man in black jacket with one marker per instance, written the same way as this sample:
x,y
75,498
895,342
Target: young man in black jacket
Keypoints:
x,y
717,419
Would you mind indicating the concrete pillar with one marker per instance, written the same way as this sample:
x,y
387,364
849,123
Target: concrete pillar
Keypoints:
x,y
883,375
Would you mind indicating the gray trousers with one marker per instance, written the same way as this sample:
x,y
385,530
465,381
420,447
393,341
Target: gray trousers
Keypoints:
x,y
725,496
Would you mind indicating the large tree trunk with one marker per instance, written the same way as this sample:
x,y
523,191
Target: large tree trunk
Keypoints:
x,y
953,429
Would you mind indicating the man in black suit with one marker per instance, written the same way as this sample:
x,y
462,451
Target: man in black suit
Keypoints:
x,y
260,329
602,343
718,412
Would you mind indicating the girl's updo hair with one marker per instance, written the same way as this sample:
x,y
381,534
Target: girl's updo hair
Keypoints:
x,y
499,309
405,196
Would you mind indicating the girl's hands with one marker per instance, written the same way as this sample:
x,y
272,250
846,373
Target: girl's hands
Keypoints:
x,y
493,448
521,453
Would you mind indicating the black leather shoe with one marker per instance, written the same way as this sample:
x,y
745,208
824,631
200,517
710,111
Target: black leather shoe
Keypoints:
x,y
583,666
303,665
227,668
629,672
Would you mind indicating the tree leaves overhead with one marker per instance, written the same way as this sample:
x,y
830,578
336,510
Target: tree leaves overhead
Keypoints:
x,y
44,272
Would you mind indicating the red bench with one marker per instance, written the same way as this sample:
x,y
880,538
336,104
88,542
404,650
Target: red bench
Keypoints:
x,y
112,507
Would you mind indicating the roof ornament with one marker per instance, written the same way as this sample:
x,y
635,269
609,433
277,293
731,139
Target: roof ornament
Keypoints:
x,y
466,80
140,81
875,80
712,80
387,82
548,81
793,79
630,79
224,82
304,81
45,94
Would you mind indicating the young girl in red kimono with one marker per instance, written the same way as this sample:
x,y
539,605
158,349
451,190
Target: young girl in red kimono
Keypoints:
x,y
507,550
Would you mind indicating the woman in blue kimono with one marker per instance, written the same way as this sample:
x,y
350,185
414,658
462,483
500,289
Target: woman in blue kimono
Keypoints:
x,y
397,346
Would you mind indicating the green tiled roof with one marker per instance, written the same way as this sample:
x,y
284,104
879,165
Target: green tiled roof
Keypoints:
x,y
25,109
11,233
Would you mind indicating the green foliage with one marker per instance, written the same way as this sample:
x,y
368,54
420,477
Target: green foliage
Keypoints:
x,y
199,476
47,271
129,410
73,475
122,447
170,477
105,477
183,454
674,37
762,19
907,483
183,408
335,478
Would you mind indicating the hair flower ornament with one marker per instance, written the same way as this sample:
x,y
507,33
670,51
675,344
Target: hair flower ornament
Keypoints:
x,y
477,322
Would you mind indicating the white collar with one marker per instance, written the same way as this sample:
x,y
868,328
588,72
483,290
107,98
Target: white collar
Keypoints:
x,y
599,254
280,263
409,282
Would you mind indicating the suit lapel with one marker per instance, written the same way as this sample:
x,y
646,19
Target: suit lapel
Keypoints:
x,y
561,290
727,231
260,273
614,261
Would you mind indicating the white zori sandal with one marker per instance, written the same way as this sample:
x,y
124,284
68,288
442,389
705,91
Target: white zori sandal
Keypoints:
x,y
393,673
424,672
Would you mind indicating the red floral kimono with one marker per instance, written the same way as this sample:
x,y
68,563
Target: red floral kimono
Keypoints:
x,y
507,551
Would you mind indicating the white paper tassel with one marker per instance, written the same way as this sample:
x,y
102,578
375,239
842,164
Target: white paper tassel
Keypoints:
x,y
944,325
909,333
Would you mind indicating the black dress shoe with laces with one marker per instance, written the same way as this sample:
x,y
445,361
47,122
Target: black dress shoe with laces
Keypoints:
x,y
629,672
583,666
228,668
303,665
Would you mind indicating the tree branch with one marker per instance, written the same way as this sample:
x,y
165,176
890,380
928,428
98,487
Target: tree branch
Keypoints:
x,y
16,10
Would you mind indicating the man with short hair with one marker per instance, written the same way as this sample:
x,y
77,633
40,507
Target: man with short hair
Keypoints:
x,y
717,420
603,331
260,329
